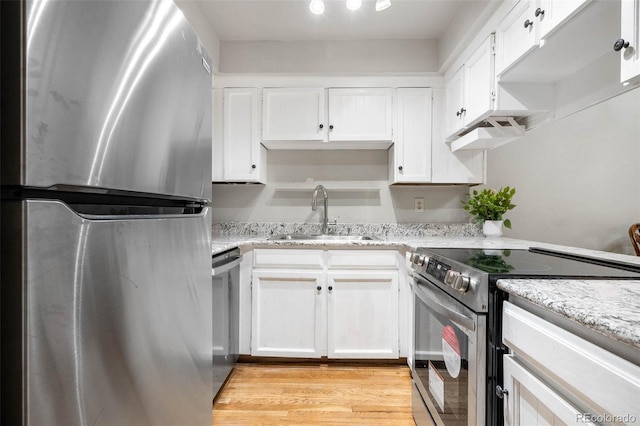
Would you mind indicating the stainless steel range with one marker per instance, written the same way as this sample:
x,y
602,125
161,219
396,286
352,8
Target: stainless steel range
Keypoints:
x,y
457,354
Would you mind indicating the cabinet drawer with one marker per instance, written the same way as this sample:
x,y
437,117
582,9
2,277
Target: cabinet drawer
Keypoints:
x,y
287,258
601,380
362,259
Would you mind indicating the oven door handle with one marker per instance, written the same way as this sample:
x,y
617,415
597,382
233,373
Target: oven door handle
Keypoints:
x,y
438,306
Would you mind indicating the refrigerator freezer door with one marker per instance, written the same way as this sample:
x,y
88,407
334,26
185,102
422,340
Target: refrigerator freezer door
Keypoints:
x,y
118,317
118,96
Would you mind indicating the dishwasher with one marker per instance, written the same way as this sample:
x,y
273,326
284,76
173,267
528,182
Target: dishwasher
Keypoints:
x,y
225,273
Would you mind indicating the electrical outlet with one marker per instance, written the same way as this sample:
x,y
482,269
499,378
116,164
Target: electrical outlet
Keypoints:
x,y
418,205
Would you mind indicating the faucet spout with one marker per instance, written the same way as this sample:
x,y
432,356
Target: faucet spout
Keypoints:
x,y
314,206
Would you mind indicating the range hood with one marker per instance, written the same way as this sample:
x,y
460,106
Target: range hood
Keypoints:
x,y
491,133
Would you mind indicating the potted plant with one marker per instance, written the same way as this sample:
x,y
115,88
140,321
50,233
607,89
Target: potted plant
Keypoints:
x,y
488,206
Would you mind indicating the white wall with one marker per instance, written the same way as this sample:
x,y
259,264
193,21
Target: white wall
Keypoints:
x,y
326,57
341,172
577,179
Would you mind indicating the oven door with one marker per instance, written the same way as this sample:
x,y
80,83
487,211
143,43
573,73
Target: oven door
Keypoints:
x,y
449,356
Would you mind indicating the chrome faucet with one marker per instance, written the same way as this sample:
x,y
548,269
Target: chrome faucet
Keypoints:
x,y
314,207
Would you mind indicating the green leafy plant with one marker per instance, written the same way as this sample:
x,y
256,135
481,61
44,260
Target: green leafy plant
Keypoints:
x,y
491,263
490,204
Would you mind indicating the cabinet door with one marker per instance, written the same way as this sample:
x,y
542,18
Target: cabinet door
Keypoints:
x,y
288,314
293,114
412,148
447,166
360,114
479,80
550,14
362,314
241,146
455,103
531,402
630,32
516,35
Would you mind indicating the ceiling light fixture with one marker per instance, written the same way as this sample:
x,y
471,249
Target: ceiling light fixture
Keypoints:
x,y
317,7
354,4
382,4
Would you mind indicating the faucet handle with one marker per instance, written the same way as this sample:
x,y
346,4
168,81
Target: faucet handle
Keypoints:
x,y
333,224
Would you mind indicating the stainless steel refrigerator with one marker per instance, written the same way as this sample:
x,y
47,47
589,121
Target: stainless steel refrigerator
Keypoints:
x,y
106,253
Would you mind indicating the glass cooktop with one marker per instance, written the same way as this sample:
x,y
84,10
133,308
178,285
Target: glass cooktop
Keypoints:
x,y
537,262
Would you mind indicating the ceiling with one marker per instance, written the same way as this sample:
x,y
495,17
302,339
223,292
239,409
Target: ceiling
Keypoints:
x,y
291,20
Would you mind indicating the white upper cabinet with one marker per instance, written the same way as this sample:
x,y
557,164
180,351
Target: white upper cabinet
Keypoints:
x,y
551,13
360,114
300,118
410,157
630,33
455,101
516,35
244,157
293,114
470,90
536,24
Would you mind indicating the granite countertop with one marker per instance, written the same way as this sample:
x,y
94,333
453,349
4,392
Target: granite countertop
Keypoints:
x,y
609,307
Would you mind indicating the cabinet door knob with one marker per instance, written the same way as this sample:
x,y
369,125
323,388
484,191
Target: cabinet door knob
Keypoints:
x,y
500,392
400,168
539,12
462,111
322,126
330,126
330,288
253,166
528,23
619,44
318,288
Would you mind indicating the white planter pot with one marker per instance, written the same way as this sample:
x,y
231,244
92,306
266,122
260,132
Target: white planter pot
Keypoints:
x,y
492,228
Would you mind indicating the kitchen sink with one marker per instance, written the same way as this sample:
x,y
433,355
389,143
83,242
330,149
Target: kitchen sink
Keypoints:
x,y
321,237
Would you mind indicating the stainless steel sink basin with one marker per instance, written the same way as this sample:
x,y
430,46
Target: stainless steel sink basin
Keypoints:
x,y
321,237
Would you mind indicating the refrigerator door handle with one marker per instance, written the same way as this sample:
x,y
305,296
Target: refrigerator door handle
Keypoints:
x,y
143,216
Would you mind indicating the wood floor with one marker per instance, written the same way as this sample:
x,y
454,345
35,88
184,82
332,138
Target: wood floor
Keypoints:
x,y
321,394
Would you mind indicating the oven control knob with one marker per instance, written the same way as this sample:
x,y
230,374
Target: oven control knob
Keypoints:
x,y
461,283
417,259
457,281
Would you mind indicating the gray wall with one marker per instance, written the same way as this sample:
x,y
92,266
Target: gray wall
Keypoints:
x,y
578,178
325,57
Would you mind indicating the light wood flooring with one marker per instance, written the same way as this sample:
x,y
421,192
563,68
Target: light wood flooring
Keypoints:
x,y
315,394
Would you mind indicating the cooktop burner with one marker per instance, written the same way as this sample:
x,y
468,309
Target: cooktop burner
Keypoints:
x,y
536,263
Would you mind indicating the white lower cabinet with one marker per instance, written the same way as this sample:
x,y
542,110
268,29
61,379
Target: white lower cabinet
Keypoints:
x,y
287,314
531,402
554,376
340,313
362,314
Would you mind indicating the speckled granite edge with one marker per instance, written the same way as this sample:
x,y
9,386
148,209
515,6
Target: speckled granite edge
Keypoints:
x,y
610,307
385,230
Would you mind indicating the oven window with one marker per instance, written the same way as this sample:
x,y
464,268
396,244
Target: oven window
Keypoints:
x,y
441,359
